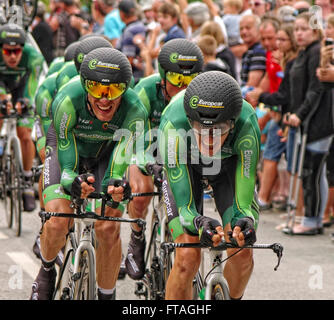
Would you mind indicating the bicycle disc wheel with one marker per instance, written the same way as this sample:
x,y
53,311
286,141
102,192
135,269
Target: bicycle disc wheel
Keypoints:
x,y
16,192
84,288
220,292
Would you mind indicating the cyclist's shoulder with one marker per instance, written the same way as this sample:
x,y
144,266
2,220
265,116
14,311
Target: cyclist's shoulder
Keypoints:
x,y
148,83
131,101
31,55
71,93
248,114
175,114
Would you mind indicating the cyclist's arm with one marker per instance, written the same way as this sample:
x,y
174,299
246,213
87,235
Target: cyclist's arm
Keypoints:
x,y
172,148
35,70
247,147
64,119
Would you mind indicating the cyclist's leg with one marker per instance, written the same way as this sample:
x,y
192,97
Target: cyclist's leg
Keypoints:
x,y
108,252
137,208
187,261
185,267
53,237
24,128
238,268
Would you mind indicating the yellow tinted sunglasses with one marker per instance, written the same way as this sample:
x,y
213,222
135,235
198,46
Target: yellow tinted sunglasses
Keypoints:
x,y
178,79
110,91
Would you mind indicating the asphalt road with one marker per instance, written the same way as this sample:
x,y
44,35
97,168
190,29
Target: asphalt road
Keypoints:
x,y
305,273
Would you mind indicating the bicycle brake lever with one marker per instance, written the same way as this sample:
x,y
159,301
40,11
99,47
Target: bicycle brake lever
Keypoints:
x,y
278,249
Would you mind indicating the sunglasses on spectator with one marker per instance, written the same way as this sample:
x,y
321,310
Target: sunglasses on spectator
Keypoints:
x,y
179,80
110,91
8,52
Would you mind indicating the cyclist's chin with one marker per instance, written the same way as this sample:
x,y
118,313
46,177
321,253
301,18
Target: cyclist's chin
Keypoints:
x,y
210,147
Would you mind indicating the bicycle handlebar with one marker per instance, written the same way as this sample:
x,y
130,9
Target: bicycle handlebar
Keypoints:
x,y
276,247
44,215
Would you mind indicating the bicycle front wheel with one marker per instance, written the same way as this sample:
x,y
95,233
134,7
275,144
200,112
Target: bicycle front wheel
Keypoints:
x,y
16,191
85,285
220,292
5,189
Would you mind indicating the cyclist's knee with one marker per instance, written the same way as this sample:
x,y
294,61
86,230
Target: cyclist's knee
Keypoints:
x,y
245,256
107,232
187,262
24,134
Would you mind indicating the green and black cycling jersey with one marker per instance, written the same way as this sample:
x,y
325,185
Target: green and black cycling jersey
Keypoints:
x,y
178,149
22,81
80,134
150,93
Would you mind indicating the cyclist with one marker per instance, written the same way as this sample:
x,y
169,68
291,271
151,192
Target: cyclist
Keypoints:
x,y
20,68
74,54
95,119
179,61
47,92
208,131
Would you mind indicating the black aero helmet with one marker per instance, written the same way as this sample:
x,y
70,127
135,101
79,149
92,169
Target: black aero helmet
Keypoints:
x,y
180,56
70,51
213,97
12,34
87,45
106,66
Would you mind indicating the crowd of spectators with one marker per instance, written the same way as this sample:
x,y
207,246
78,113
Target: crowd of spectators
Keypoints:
x,y
275,50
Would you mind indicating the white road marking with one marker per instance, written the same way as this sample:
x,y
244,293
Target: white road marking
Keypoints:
x,y
28,265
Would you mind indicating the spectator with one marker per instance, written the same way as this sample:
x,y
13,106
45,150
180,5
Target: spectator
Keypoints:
x,y
42,33
288,48
326,8
197,13
208,45
98,14
307,96
168,17
129,14
113,24
326,74
231,20
260,7
212,28
63,32
253,63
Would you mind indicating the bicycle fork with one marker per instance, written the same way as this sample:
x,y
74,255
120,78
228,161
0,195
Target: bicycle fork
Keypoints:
x,y
216,276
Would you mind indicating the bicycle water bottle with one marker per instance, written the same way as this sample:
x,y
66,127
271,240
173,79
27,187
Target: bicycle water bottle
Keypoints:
x,y
201,294
1,146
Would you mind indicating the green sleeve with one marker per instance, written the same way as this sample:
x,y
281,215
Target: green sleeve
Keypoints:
x,y
43,101
172,148
35,69
247,147
64,119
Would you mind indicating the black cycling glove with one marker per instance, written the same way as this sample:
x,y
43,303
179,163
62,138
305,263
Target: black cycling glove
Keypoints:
x,y
76,184
121,183
246,225
206,228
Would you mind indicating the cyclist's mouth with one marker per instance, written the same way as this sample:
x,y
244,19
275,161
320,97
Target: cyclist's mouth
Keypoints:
x,y
104,109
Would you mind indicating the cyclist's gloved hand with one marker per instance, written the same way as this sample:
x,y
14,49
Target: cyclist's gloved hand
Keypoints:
x,y
79,189
210,231
244,231
119,189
